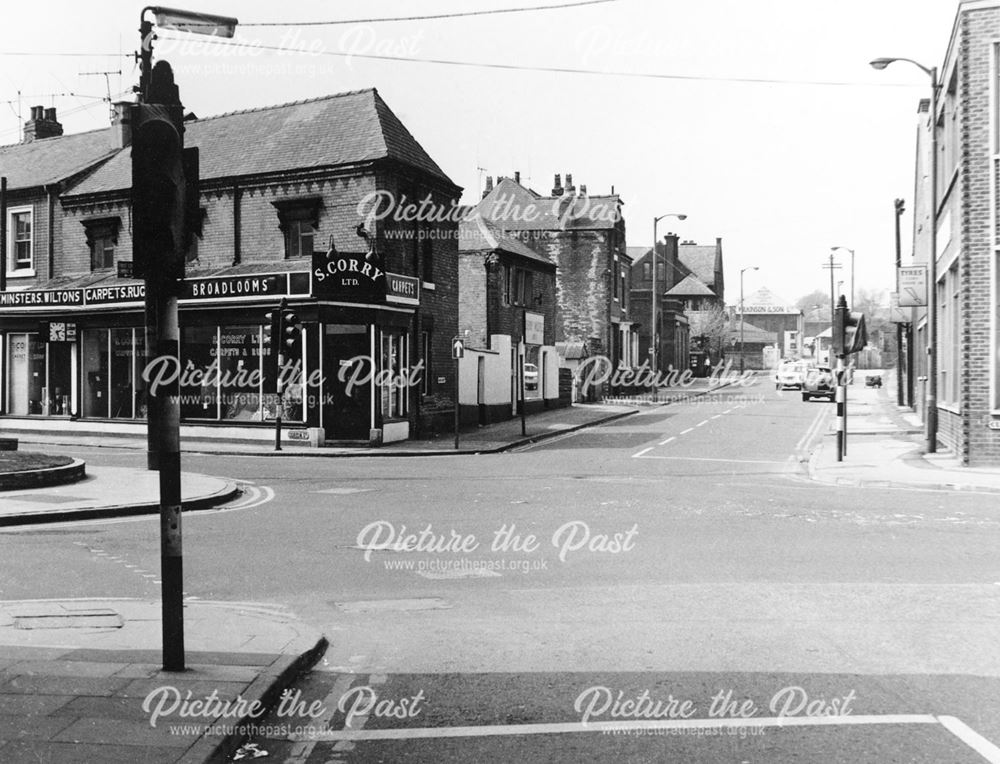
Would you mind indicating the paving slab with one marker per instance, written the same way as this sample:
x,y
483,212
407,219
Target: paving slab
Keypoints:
x,y
71,694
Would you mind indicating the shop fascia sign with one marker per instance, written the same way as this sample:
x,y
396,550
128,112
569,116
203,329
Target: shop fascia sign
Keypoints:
x,y
534,328
260,285
783,309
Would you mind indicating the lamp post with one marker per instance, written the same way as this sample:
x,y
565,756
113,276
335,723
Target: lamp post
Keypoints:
x,y
852,271
744,270
932,382
654,328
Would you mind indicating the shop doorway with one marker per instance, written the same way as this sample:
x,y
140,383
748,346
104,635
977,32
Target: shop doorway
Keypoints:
x,y
347,370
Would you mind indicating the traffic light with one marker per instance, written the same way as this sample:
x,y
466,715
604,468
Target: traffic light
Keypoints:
x,y
849,332
283,340
159,207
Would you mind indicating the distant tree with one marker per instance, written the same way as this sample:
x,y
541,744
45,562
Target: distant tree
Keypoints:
x,y
811,300
709,329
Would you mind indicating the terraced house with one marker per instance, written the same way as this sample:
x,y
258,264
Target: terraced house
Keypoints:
x,y
286,201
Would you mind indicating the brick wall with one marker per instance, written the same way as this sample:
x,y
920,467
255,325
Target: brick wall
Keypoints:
x,y
472,299
973,441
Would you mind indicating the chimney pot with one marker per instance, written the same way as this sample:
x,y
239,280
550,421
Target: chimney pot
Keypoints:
x,y
557,188
569,183
583,189
42,124
517,177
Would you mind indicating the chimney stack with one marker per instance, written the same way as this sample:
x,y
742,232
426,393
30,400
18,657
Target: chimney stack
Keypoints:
x,y
43,124
121,127
569,184
489,186
517,177
557,189
583,189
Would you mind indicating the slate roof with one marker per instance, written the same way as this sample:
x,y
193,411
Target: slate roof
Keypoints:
x,y
699,260
341,129
477,235
513,207
751,334
690,286
48,160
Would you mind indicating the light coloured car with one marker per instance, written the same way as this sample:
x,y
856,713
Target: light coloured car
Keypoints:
x,y
790,376
530,376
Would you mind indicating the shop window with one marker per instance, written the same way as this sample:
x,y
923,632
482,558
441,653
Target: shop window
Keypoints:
x,y
96,366
39,379
20,259
199,357
394,366
240,372
298,220
102,236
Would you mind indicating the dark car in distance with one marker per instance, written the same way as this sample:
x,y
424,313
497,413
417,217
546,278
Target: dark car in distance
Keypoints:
x,y
818,383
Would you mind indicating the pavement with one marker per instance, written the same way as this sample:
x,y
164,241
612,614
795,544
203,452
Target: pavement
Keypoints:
x,y
109,492
82,680
886,447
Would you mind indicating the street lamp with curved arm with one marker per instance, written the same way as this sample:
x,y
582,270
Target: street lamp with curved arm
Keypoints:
x,y
742,271
932,373
654,329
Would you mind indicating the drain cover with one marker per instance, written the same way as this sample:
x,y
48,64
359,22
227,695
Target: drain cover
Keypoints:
x,y
375,606
79,619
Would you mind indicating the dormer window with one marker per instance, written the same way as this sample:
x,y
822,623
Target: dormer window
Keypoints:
x,y
102,237
298,220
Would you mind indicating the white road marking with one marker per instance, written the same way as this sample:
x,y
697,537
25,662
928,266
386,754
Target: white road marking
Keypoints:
x,y
707,459
306,743
971,738
664,442
591,727
644,451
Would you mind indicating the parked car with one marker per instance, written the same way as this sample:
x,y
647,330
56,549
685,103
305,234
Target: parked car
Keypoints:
x,y
818,383
790,375
530,376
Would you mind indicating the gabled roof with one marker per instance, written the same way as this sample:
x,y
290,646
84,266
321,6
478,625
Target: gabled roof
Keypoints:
x,y
48,160
690,286
752,334
341,129
512,207
699,260
765,296
477,235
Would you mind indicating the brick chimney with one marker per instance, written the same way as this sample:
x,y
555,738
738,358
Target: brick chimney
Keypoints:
x,y
569,184
517,177
43,124
121,128
557,189
489,186
672,259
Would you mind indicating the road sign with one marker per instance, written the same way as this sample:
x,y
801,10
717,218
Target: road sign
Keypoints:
x,y
911,284
457,348
897,315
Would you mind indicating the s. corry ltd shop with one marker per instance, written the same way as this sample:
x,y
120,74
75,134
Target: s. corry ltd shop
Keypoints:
x,y
72,358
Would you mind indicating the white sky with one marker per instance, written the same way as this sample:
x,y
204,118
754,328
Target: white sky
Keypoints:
x,y
780,171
